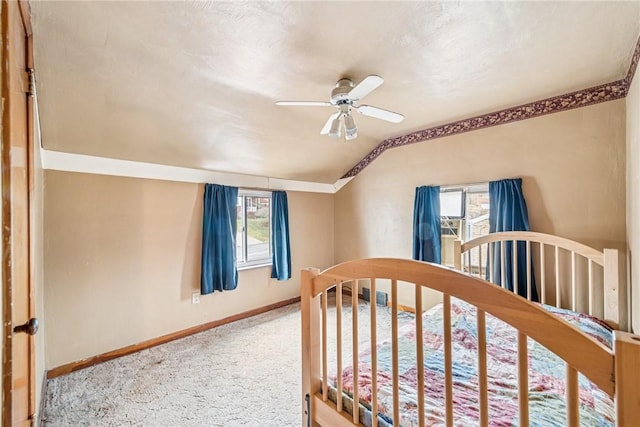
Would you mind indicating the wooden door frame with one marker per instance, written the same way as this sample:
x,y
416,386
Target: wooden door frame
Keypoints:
x,y
7,285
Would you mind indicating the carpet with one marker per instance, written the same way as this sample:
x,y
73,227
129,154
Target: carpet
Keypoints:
x,y
246,373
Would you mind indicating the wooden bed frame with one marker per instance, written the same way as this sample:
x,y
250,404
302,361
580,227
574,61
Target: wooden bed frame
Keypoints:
x,y
616,372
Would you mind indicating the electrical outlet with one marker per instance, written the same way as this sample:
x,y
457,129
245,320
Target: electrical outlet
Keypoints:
x,y
195,298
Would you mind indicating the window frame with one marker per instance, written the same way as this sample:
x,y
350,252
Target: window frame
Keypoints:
x,y
244,262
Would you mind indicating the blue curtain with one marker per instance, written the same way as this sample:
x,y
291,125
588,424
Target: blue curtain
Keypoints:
x,y
281,268
219,227
508,212
426,224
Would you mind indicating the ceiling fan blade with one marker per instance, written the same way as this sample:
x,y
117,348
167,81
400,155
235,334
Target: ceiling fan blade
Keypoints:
x,y
365,87
327,126
379,113
303,103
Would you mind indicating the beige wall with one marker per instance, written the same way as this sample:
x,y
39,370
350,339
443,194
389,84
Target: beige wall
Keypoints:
x,y
122,254
572,165
122,260
633,198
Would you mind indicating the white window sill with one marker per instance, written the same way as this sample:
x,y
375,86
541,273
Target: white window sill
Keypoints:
x,y
252,266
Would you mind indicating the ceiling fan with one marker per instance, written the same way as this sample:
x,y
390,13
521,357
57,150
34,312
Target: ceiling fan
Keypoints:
x,y
343,97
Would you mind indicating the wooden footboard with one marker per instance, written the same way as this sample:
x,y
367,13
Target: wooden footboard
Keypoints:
x,y
615,371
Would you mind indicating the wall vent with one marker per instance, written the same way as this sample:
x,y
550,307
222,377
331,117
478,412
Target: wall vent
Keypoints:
x,y
381,297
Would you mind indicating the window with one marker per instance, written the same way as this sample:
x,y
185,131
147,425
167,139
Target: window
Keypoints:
x,y
464,214
253,241
452,202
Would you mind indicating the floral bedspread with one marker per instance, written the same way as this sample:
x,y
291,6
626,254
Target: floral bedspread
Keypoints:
x,y
547,405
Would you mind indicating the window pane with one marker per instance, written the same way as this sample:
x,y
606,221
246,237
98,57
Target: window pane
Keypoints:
x,y
477,204
477,224
452,203
479,228
239,238
258,228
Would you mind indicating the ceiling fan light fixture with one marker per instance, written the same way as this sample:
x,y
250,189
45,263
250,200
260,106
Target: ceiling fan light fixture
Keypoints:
x,y
334,132
350,129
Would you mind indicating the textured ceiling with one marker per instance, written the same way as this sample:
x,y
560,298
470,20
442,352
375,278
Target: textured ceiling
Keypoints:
x,y
194,84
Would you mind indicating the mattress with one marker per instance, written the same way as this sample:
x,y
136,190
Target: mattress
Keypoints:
x,y
547,373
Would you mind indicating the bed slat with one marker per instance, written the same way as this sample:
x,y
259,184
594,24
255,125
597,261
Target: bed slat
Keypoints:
x,y
339,344
573,281
354,352
394,357
490,256
611,281
448,374
502,257
527,253
374,357
557,254
514,261
325,385
482,276
419,355
591,310
482,369
523,380
542,274
573,412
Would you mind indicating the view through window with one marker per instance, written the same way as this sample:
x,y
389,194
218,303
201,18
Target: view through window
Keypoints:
x,y
253,239
464,211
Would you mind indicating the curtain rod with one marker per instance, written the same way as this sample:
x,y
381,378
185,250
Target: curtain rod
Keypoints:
x,y
472,184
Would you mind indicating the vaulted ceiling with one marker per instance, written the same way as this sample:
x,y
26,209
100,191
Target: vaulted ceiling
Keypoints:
x,y
193,84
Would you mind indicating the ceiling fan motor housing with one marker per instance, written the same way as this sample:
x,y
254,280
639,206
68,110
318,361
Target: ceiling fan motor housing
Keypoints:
x,y
340,94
